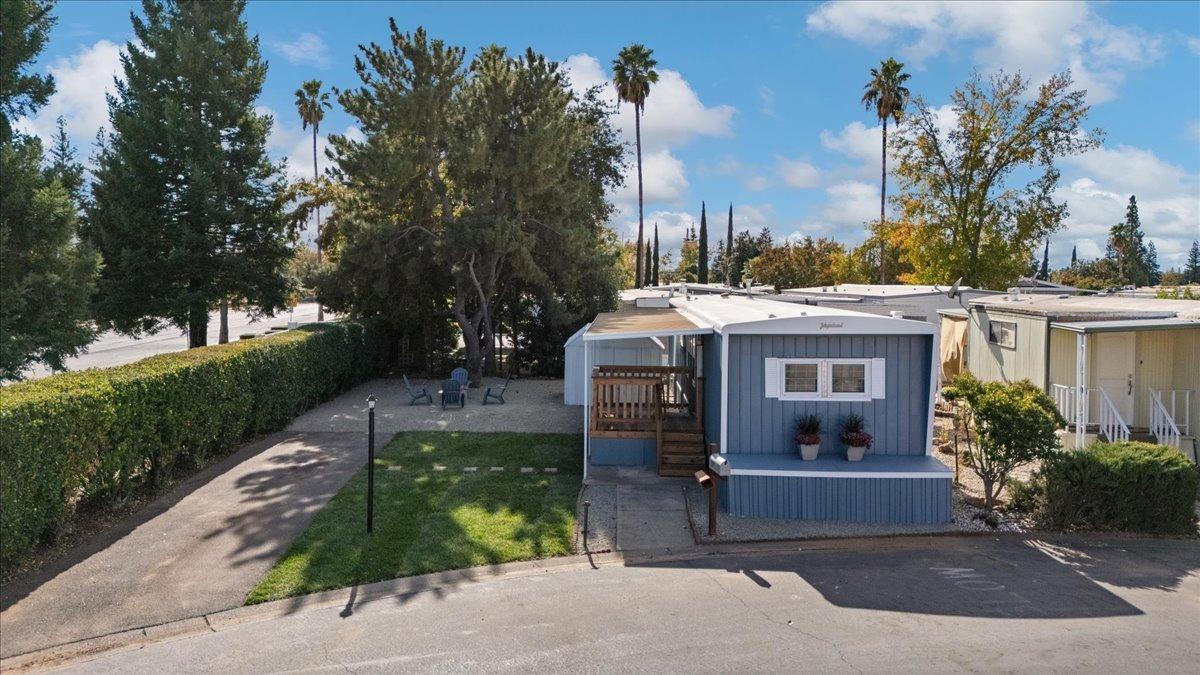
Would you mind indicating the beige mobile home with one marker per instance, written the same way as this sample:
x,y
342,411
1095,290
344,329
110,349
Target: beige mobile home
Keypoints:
x,y
1117,367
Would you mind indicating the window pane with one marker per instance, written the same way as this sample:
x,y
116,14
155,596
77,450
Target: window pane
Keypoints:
x,y
849,378
800,377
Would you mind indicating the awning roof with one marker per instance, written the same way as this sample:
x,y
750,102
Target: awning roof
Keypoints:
x,y
1118,326
635,323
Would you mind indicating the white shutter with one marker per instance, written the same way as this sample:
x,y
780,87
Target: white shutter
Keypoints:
x,y
878,370
771,378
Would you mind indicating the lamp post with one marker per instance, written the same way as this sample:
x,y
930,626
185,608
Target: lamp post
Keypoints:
x,y
370,461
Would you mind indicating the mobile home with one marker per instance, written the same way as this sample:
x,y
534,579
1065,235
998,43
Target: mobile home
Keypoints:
x,y
740,371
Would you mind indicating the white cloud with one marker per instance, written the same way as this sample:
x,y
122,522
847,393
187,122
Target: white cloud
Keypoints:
x,y
1035,38
857,141
798,173
664,180
308,49
768,100
1097,186
757,183
674,113
81,82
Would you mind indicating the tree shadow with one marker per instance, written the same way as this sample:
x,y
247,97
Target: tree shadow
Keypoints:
x,y
1003,577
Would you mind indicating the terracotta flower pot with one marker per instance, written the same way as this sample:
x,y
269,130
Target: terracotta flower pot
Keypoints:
x,y
854,453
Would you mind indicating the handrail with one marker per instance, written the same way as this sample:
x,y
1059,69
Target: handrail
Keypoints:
x,y
624,402
1111,424
1064,400
1162,424
1172,410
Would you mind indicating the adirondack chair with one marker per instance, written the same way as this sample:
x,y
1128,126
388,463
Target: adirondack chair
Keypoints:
x,y
416,393
452,392
497,392
461,376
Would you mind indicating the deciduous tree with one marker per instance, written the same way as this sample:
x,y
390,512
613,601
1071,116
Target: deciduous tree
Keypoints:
x,y
981,194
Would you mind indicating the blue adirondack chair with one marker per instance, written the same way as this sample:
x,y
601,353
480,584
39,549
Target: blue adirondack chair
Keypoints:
x,y
497,392
452,392
416,393
461,376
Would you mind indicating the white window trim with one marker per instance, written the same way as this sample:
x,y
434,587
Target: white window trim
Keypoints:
x,y
824,381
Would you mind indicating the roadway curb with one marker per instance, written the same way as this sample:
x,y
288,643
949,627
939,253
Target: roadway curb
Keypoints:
x,y
356,596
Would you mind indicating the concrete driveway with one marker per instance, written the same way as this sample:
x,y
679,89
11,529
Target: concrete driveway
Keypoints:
x,y
935,604
205,545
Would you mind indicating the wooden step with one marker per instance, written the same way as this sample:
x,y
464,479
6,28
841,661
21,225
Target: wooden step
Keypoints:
x,y
689,436
686,472
689,459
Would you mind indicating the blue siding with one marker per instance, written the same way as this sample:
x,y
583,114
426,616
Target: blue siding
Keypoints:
x,y
623,452
867,500
712,388
761,425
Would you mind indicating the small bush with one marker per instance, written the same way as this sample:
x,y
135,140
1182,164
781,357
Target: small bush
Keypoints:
x,y
102,434
1132,487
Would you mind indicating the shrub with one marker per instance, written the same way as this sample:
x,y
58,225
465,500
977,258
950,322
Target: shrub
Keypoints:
x,y
104,434
1134,487
1005,426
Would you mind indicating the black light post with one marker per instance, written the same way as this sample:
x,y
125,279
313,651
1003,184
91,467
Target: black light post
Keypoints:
x,y
370,462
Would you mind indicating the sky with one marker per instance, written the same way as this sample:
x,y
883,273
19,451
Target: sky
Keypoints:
x,y
758,103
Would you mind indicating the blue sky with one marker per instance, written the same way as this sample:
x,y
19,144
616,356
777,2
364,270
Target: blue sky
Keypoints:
x,y
759,103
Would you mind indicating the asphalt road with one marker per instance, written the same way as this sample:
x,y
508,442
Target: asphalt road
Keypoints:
x,y
114,349
929,604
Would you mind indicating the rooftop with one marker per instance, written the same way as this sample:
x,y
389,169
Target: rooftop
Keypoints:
x,y
1091,307
722,312
643,323
873,290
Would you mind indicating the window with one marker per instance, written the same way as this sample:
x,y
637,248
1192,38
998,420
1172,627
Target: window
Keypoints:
x,y
823,379
1003,333
800,378
848,378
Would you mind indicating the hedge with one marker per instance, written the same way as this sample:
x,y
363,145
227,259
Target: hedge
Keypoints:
x,y
1133,487
91,435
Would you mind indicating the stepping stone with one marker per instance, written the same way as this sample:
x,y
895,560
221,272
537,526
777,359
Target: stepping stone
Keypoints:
x,y
527,469
469,469
551,469
439,467
497,469
395,467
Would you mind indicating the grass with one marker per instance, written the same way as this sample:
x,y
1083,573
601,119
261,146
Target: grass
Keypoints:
x,y
428,520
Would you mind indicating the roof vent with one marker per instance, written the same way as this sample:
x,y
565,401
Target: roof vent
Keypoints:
x,y
896,315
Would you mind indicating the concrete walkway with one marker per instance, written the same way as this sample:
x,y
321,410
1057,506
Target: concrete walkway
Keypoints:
x,y
633,509
205,545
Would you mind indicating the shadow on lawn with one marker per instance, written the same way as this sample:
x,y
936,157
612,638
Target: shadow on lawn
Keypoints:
x,y
1005,577
429,520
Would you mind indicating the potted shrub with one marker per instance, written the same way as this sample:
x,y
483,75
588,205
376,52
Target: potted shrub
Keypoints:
x,y
808,435
855,437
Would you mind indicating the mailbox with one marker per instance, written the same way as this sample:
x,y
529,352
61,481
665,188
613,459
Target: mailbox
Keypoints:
x,y
718,464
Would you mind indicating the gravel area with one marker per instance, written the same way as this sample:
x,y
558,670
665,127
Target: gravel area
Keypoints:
x,y
602,519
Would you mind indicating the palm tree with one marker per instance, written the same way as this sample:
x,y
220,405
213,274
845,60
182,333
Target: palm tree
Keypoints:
x,y
633,73
887,94
312,103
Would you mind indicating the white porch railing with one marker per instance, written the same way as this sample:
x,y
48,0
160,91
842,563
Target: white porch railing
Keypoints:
x,y
1111,425
1164,415
1064,400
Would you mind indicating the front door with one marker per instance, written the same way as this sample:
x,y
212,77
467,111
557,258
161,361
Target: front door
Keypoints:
x,y
1113,367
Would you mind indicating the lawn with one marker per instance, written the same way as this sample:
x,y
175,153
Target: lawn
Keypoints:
x,y
429,519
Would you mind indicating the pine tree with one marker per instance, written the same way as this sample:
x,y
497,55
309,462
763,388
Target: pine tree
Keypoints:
x,y
1044,270
64,165
1074,256
47,275
1191,270
654,273
187,205
702,262
1153,271
649,264
1127,248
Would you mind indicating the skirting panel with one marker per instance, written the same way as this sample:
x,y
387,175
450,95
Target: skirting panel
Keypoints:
x,y
623,452
865,500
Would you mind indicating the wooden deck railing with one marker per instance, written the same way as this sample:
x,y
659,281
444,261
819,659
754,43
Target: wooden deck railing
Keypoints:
x,y
638,398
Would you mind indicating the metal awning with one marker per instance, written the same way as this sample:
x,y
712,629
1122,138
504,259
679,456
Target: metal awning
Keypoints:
x,y
1124,325
638,323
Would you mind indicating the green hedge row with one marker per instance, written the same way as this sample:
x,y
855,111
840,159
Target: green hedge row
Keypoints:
x,y
1132,487
98,434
